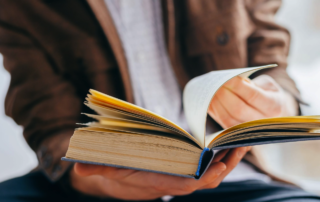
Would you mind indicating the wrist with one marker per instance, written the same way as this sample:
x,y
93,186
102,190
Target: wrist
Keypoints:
x,y
51,150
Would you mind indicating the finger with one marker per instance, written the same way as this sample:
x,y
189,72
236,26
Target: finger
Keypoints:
x,y
220,155
166,184
126,177
236,107
253,95
187,184
105,171
158,183
213,173
231,160
220,114
127,192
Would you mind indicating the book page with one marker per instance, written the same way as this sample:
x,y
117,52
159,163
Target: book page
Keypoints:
x,y
129,123
199,92
105,101
294,123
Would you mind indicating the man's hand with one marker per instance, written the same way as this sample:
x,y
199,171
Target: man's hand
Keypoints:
x,y
127,184
238,101
241,100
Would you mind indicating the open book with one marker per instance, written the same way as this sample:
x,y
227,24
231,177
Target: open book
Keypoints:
x,y
127,136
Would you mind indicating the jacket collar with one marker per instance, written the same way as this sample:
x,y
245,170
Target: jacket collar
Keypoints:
x,y
171,29
103,16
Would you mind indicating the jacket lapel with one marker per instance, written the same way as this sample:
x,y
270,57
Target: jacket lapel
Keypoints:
x,y
169,15
170,31
101,12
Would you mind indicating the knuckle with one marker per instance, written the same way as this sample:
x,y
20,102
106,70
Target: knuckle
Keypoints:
x,y
253,96
112,176
239,111
112,173
226,121
212,110
159,186
275,110
219,93
234,163
209,179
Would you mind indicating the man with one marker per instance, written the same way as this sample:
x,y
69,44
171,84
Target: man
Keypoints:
x,y
144,52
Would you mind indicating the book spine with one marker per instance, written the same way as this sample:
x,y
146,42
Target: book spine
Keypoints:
x,y
206,149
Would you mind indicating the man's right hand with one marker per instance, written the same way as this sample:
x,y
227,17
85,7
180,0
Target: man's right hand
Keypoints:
x,y
125,184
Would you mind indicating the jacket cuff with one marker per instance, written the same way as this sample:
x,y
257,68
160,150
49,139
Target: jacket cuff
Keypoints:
x,y
50,152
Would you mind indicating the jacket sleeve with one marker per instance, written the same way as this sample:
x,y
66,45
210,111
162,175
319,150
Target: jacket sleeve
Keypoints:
x,y
39,98
269,43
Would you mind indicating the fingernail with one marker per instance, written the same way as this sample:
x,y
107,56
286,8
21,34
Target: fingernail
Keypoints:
x,y
247,80
242,151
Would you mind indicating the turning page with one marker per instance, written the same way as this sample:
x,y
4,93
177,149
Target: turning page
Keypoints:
x,y
199,92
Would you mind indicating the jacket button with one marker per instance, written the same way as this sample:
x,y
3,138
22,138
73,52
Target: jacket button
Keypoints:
x,y
41,152
47,161
223,39
56,170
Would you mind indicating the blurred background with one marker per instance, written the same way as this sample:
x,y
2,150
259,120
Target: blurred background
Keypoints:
x,y
300,161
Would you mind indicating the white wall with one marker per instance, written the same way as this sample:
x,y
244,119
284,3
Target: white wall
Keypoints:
x,y
16,158
301,160
302,18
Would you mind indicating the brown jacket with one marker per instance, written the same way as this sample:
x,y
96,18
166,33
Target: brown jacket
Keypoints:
x,y
55,50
